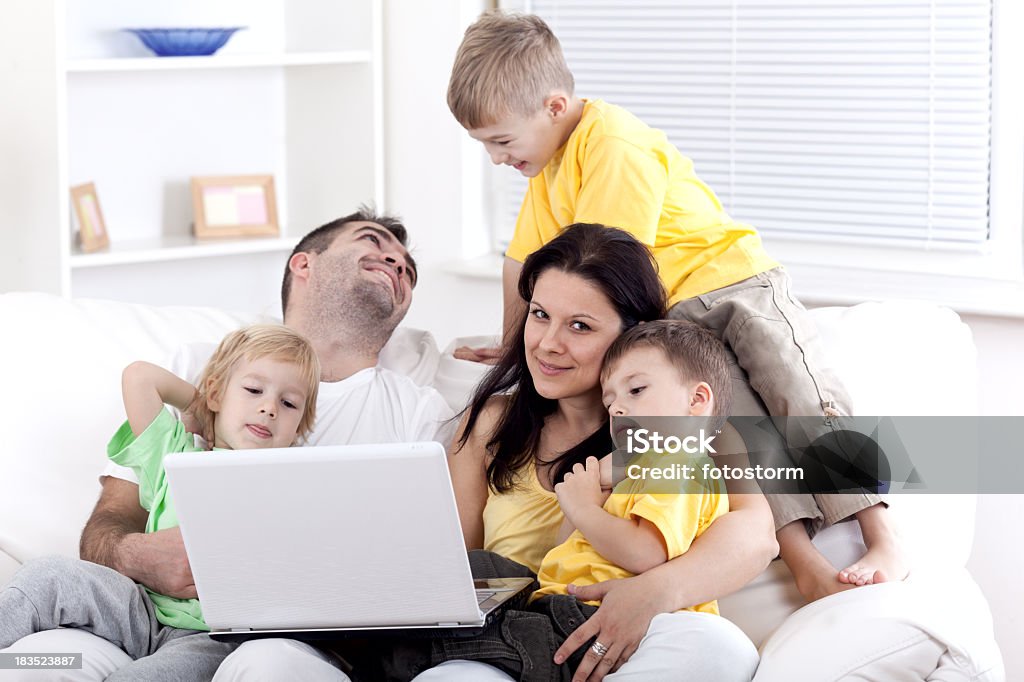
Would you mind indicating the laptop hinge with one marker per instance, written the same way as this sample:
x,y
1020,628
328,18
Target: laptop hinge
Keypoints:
x,y
448,625
241,629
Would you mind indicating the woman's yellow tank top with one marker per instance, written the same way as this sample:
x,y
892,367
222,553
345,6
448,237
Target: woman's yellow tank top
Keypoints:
x,y
522,524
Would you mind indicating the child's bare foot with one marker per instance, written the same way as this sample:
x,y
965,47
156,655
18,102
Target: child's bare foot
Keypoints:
x,y
819,582
878,565
885,560
815,576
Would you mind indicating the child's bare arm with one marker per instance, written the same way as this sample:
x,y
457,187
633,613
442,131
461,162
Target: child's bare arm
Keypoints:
x,y
145,389
564,530
635,545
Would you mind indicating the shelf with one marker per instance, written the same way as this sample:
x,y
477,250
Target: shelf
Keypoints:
x,y
217,62
160,249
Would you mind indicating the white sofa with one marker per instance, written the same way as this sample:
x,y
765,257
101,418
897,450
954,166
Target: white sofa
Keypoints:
x,y
60,364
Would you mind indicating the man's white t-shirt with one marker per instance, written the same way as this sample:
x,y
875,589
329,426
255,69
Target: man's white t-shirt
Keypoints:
x,y
374,405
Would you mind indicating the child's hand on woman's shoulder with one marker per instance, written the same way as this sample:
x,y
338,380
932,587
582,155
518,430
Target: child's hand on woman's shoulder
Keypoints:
x,y
484,354
581,488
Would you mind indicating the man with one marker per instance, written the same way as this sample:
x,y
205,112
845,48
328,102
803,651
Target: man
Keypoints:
x,y
346,287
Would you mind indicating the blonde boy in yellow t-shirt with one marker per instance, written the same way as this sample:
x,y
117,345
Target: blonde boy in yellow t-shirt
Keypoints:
x,y
590,161
666,368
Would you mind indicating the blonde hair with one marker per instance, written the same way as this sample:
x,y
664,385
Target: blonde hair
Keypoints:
x,y
252,343
507,64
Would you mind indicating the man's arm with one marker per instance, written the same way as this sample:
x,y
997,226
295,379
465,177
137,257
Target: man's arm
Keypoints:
x,y
114,537
117,514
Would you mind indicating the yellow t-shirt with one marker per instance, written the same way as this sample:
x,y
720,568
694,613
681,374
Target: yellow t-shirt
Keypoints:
x,y
679,516
616,170
522,524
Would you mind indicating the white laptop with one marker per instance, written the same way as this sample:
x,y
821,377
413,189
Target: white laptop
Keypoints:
x,y
330,541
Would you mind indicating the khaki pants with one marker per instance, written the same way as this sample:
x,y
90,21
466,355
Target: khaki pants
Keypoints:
x,y
778,367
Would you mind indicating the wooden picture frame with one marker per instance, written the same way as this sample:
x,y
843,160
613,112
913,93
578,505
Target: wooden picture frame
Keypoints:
x,y
234,206
92,230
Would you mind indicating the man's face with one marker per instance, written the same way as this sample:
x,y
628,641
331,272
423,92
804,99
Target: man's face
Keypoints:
x,y
525,143
364,266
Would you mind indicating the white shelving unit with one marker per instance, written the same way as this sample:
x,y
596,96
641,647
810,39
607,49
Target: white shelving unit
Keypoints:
x,y
296,94
220,62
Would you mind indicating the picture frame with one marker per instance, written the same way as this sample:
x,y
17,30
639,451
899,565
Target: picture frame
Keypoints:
x,y
92,230
228,206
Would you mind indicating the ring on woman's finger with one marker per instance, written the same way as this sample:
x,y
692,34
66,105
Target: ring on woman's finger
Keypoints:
x,y
598,648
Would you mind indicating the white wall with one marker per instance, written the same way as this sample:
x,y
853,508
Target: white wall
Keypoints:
x,y
998,551
425,168
429,163
1000,344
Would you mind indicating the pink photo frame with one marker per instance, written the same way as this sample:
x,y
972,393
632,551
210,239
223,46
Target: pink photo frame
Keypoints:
x,y
234,206
92,230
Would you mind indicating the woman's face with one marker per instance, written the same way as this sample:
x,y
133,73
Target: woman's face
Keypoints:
x,y
569,326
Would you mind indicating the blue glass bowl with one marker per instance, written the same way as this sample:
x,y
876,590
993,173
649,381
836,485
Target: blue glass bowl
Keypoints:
x,y
184,42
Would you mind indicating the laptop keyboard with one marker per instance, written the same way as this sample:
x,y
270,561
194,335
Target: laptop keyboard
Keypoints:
x,y
483,595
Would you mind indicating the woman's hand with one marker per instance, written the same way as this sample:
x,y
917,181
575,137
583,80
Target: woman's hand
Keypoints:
x,y
580,489
627,608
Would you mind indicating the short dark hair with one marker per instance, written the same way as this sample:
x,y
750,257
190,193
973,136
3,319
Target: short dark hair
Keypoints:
x,y
622,269
320,239
696,353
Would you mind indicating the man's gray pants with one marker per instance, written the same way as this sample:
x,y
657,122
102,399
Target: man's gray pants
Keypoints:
x,y
59,591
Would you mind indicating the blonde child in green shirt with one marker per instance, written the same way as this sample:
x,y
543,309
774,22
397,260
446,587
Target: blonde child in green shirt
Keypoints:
x,y
258,390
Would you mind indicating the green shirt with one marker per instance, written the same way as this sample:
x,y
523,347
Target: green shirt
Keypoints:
x,y
145,455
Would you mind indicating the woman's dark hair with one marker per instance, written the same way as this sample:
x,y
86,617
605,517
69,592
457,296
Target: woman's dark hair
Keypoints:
x,y
624,270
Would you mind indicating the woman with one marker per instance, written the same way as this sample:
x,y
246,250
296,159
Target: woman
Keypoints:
x,y
583,289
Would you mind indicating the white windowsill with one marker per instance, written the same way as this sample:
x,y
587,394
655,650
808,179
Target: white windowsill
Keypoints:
x,y
817,285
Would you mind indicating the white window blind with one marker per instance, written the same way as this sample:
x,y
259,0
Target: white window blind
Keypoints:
x,y
864,120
